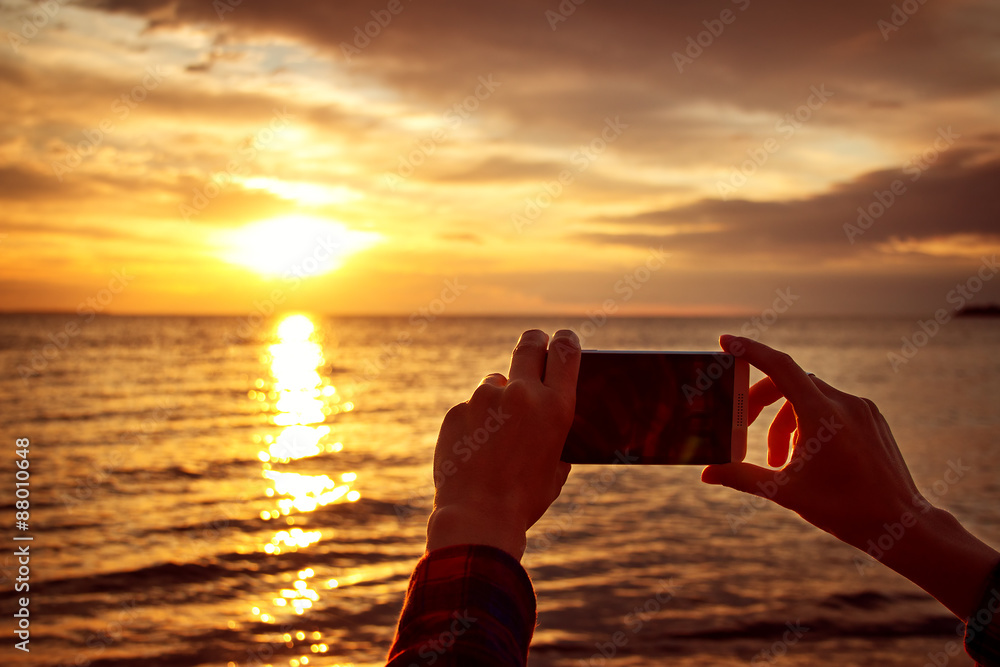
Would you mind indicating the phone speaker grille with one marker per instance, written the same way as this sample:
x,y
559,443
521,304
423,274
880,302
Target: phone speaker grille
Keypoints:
x,y
740,411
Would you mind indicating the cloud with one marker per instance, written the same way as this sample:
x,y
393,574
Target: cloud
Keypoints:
x,y
699,90
501,169
558,85
432,47
950,197
23,184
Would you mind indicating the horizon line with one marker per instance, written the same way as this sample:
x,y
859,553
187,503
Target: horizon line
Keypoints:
x,y
458,316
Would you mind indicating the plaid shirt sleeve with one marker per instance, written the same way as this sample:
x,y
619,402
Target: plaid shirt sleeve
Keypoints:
x,y
466,604
982,629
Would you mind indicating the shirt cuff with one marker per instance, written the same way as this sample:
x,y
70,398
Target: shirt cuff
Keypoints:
x,y
466,602
982,628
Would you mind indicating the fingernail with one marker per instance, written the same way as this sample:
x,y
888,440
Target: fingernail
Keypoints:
x,y
567,333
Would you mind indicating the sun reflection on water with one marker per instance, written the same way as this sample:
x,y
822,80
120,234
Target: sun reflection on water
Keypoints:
x,y
298,399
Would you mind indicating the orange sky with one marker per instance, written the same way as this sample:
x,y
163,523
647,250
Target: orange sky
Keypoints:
x,y
683,157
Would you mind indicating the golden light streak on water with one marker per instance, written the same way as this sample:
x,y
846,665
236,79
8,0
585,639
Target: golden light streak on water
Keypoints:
x,y
300,400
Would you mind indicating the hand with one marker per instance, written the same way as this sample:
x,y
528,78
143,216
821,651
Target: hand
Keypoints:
x,y
847,476
496,463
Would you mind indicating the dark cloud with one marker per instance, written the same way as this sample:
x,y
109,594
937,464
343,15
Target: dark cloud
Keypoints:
x,y
71,100
230,206
89,232
22,184
501,169
613,60
953,195
435,47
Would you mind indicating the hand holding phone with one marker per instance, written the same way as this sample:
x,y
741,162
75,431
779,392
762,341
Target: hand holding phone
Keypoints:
x,y
659,408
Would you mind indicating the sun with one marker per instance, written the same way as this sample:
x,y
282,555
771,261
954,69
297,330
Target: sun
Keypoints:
x,y
295,245
295,328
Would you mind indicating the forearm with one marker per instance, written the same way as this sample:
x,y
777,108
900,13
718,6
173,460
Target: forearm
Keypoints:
x,y
940,556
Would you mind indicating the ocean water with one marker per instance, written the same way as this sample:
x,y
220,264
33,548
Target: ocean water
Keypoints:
x,y
209,492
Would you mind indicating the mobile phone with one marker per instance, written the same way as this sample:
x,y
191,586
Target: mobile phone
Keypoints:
x,y
659,408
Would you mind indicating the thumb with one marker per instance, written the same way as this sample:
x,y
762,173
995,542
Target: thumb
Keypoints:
x,y
744,477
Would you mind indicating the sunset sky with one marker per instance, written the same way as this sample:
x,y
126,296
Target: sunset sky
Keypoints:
x,y
360,157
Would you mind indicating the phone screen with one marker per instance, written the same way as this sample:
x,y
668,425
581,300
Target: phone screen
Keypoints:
x,y
666,408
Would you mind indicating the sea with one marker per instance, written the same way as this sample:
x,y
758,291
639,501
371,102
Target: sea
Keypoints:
x,y
227,491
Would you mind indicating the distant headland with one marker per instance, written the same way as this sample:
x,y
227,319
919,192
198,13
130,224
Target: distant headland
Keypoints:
x,y
987,310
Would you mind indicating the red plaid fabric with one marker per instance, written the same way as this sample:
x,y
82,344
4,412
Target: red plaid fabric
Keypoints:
x,y
473,604
982,628
466,604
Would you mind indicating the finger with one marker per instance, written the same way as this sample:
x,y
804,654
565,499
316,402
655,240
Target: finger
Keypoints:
x,y
562,474
778,435
879,422
527,361
793,382
562,364
487,391
495,380
559,478
762,394
744,477
883,427
826,389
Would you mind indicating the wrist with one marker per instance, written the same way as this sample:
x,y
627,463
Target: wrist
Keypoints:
x,y
451,525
